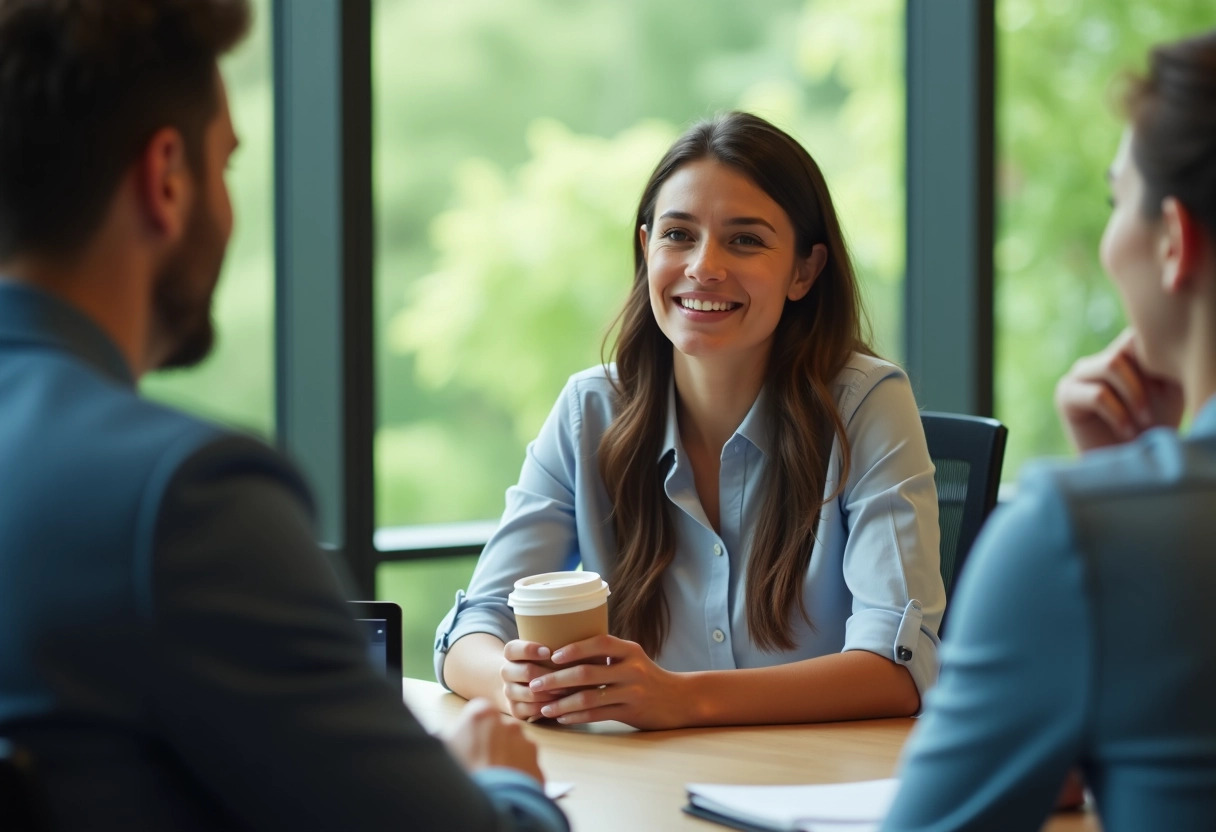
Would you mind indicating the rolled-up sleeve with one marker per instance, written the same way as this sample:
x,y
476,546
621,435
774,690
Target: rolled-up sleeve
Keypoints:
x,y
1016,700
538,532
892,557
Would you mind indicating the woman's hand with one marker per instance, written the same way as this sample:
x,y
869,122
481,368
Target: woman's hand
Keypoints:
x,y
1109,398
630,688
523,663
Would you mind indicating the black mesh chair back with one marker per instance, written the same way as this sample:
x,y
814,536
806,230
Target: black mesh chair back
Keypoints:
x,y
968,452
23,807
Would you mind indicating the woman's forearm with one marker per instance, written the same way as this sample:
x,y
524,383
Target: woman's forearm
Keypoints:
x,y
853,685
473,668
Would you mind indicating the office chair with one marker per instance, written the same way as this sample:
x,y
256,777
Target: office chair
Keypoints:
x,y
23,807
968,452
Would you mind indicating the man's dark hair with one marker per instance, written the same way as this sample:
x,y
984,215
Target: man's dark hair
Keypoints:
x,y
84,84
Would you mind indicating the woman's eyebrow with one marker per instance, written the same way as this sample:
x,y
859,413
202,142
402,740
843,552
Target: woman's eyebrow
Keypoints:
x,y
678,215
752,221
687,217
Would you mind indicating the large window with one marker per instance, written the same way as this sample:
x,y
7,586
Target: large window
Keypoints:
x,y
512,141
235,385
1058,124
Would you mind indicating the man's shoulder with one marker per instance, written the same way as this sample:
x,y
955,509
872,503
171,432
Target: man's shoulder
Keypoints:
x,y
135,433
80,428
183,450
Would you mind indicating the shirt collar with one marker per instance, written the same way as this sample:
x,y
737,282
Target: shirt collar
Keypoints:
x,y
671,430
32,316
756,424
754,428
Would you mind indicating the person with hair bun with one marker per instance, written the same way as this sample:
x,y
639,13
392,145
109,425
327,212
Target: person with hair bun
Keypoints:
x,y
1084,634
750,478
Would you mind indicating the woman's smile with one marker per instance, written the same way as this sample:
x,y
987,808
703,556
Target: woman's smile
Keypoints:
x,y
701,308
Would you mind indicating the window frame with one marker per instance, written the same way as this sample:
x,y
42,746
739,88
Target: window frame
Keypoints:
x,y
324,243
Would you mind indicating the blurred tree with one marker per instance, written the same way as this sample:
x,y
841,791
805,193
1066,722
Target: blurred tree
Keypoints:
x,y
513,141
531,269
539,125
236,384
1058,124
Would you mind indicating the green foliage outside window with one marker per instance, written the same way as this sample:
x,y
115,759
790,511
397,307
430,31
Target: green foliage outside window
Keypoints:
x,y
512,143
236,384
512,140
1058,125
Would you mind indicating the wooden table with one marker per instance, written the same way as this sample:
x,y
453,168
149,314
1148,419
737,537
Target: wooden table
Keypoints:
x,y
634,780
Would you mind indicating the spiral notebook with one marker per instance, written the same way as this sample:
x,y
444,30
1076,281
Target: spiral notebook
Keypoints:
x,y
836,807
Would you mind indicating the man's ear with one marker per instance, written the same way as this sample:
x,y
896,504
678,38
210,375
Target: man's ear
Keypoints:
x,y
1181,245
163,183
807,271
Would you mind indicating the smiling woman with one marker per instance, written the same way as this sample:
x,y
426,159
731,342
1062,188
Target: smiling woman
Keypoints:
x,y
721,264
511,141
746,417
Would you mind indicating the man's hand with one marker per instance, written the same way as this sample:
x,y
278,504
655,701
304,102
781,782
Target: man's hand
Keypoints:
x,y
1072,794
1109,398
483,737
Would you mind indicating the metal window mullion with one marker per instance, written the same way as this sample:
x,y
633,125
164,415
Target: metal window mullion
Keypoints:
x,y
325,401
948,315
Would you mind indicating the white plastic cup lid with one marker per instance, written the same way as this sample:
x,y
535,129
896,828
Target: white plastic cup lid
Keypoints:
x,y
558,593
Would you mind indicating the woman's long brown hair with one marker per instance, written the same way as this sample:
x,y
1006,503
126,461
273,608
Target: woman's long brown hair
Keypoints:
x,y
813,341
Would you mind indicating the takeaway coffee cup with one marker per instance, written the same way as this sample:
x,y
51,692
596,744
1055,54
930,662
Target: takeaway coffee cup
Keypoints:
x,y
560,608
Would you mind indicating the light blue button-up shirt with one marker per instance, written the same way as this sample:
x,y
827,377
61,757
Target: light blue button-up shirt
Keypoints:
x,y
873,582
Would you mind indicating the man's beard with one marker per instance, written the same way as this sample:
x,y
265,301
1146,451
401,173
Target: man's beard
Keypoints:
x,y
181,297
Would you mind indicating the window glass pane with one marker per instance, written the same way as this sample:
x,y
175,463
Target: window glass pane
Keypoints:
x,y
512,141
425,589
1058,124
236,384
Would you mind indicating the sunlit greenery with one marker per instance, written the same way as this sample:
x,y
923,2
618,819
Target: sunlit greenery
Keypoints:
x,y
512,140
1058,124
236,384
512,143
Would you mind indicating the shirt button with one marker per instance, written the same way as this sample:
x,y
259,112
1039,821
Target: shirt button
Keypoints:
x,y
719,636
904,654
717,548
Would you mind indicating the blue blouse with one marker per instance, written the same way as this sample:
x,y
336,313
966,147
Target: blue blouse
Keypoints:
x,y
873,582
1084,636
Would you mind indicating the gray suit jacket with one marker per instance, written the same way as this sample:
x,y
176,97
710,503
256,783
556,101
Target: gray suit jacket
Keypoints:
x,y
175,650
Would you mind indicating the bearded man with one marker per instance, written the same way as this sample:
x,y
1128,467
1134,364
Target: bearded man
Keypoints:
x,y
176,653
